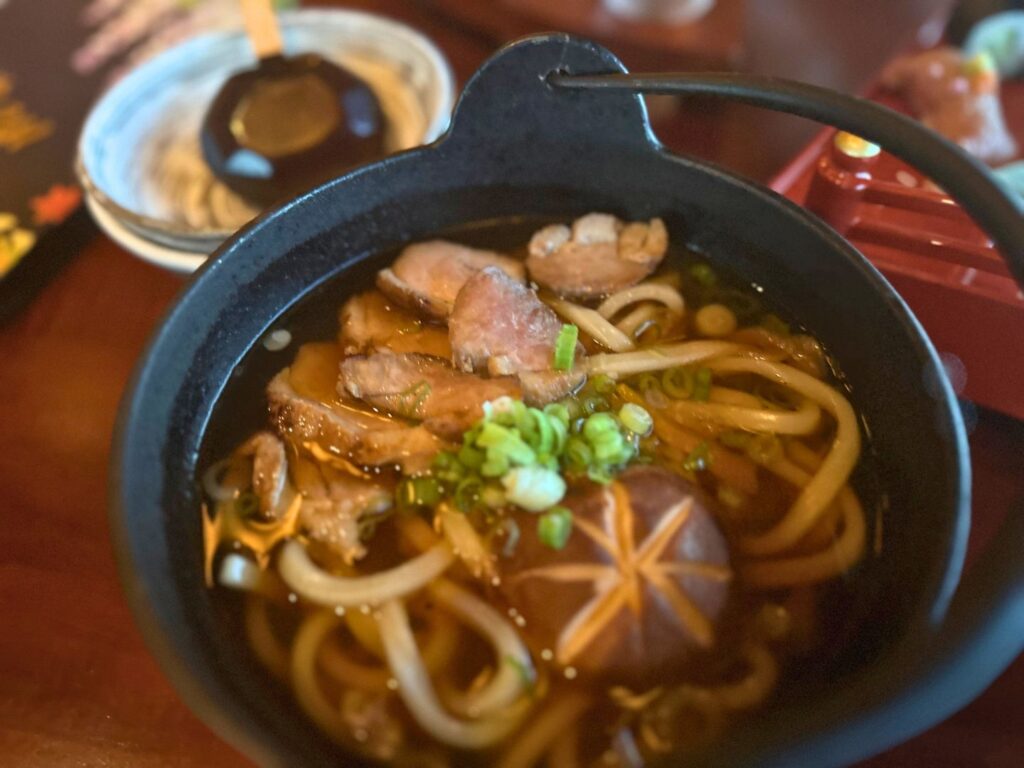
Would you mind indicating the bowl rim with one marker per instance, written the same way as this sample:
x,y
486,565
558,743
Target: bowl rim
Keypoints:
x,y
179,236
228,714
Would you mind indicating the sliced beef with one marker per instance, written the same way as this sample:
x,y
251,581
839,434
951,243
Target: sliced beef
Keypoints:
x,y
427,276
424,388
269,472
598,256
370,321
367,439
333,511
501,327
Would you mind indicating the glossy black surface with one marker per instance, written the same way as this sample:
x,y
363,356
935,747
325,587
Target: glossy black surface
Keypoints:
x,y
519,147
290,123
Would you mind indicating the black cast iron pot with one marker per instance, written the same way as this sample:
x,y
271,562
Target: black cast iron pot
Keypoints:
x,y
523,143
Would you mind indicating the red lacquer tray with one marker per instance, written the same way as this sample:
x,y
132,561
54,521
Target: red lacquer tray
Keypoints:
x,y
939,261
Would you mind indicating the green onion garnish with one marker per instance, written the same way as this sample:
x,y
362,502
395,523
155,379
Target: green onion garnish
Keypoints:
x,y
699,458
554,527
467,493
424,491
247,504
526,674
704,275
565,347
702,384
678,383
775,324
635,418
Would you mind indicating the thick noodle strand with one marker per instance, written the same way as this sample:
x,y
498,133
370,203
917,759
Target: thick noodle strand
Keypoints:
x,y
660,357
659,292
816,496
592,324
263,640
802,421
318,586
837,558
304,672
512,660
415,688
544,730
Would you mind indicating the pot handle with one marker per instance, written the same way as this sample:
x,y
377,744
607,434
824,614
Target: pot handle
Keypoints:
x,y
508,103
983,630
965,178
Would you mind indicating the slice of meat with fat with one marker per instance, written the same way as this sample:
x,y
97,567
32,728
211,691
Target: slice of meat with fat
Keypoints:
x,y
269,472
423,387
428,276
335,507
370,321
501,327
365,438
599,255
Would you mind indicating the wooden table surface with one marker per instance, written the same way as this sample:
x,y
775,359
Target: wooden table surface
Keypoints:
x,y
77,686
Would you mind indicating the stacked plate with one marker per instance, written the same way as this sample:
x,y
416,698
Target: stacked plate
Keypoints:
x,y
139,158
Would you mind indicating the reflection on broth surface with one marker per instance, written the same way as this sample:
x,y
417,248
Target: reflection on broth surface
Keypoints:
x,y
569,502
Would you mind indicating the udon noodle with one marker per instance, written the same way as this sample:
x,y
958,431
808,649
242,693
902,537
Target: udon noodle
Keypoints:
x,y
573,504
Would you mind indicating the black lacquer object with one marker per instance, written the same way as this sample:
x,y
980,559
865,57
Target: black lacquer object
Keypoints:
x,y
523,141
289,123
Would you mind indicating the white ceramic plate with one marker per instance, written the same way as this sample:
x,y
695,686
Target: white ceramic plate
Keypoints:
x,y
139,158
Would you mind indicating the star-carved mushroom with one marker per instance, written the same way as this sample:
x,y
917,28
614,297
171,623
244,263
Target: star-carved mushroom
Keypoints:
x,y
638,587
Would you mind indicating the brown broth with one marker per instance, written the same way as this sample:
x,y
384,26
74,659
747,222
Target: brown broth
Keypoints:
x,y
242,410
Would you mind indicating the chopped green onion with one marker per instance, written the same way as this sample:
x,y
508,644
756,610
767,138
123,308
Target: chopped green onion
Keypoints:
x,y
702,384
545,432
526,674
698,459
738,440
560,430
565,347
648,381
598,424
614,451
763,448
467,494
742,303
247,504
775,324
470,457
730,497
504,442
412,492
495,466
678,383
493,497
635,418
410,401
558,411
704,275
533,488
574,407
554,527
603,384
594,404
578,454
